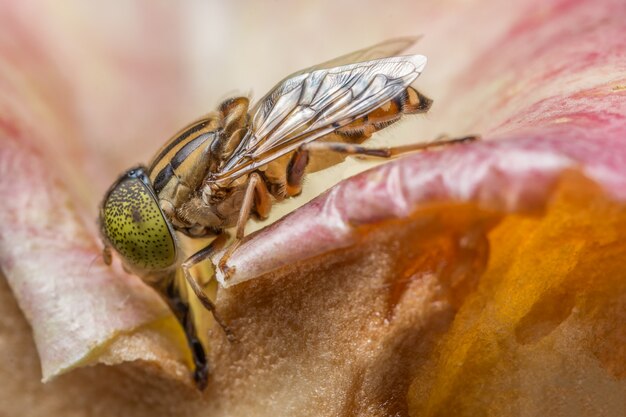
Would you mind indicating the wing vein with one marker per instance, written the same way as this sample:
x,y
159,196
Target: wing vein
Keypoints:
x,y
315,102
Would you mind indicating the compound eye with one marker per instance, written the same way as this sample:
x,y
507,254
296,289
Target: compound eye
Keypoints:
x,y
136,228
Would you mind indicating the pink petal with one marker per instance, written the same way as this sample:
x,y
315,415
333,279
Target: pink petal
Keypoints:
x,y
74,303
49,249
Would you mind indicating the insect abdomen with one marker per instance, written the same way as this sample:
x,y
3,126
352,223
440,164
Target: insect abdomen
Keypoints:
x,y
410,101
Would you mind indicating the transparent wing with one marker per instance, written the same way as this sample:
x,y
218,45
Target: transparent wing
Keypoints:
x,y
388,48
313,103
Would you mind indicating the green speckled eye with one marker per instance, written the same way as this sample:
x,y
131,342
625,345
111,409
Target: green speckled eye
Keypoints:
x,y
134,225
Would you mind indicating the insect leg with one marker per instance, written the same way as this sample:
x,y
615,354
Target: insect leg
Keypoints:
x,y
262,200
255,187
196,258
386,152
170,292
295,172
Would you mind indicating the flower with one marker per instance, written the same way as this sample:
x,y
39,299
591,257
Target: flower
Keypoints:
x,y
480,279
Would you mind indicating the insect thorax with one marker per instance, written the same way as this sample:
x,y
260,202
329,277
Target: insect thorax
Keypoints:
x,y
180,169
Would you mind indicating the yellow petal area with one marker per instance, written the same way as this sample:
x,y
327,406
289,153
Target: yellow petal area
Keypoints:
x,y
545,331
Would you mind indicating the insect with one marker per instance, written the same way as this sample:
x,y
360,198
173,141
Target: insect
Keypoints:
x,y
234,163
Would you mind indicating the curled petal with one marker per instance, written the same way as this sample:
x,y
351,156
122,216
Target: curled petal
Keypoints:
x,y
75,304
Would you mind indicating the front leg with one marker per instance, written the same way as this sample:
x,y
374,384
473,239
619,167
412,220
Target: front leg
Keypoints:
x,y
169,290
256,192
196,258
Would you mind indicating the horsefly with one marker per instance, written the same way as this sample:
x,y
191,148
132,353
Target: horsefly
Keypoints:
x,y
234,163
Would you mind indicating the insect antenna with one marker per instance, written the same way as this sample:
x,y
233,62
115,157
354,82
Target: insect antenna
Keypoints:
x,y
92,262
